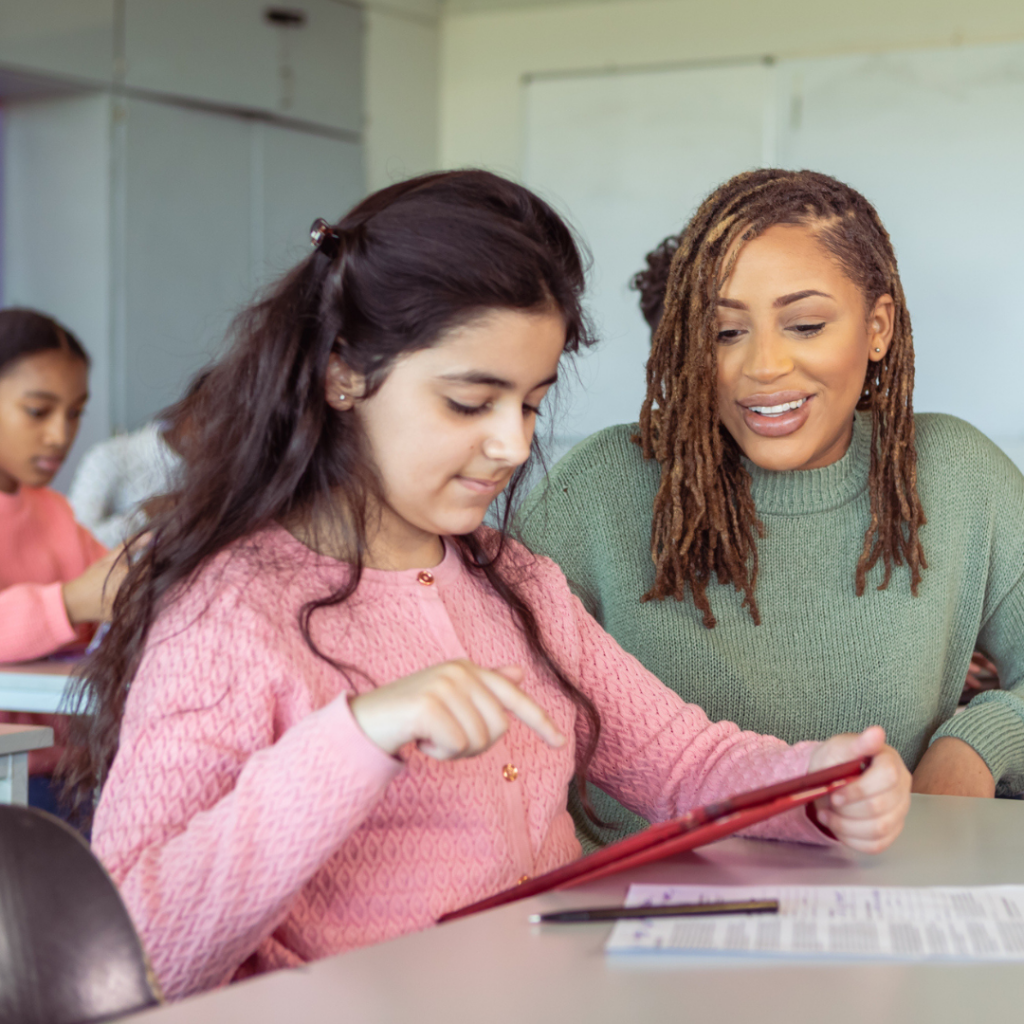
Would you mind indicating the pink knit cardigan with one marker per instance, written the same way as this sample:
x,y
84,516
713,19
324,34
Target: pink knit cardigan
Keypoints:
x,y
41,547
249,822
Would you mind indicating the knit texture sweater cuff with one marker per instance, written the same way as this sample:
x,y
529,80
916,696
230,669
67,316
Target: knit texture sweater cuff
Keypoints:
x,y
33,621
993,725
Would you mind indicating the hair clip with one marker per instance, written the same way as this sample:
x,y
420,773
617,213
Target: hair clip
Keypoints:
x,y
324,238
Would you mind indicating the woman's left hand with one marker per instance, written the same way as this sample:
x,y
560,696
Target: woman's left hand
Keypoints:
x,y
868,813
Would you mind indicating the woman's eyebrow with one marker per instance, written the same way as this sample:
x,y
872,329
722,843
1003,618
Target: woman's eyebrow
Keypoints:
x,y
786,300
487,380
782,300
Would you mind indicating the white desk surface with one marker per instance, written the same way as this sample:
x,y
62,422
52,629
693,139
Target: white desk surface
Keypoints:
x,y
33,685
496,968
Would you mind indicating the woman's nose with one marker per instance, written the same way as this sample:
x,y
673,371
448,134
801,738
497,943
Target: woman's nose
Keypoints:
x,y
768,357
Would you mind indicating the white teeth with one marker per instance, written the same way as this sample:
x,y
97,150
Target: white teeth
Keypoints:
x,y
776,410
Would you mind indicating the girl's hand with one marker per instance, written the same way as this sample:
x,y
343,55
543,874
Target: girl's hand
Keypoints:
x,y
456,709
866,814
90,597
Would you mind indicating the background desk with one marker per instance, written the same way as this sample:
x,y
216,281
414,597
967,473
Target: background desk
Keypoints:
x,y
33,685
496,968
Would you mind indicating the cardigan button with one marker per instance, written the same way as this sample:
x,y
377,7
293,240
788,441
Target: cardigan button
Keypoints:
x,y
426,578
520,881
511,772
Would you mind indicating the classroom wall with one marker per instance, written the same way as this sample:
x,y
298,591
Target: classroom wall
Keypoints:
x,y
163,144
402,90
502,60
56,237
486,53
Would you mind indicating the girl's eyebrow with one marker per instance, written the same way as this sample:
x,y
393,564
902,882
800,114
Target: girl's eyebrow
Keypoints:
x,y
49,396
487,380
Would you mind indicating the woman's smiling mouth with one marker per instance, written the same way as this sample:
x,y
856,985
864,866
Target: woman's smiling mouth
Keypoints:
x,y
776,415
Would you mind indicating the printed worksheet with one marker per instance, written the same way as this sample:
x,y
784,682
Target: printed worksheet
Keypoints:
x,y
878,923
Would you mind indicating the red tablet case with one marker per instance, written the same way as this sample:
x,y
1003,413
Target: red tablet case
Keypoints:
x,y
696,828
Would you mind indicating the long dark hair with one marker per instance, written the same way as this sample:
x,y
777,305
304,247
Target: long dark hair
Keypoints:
x,y
705,523
262,445
24,332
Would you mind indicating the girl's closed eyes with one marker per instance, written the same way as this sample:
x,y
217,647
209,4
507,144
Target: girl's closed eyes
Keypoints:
x,y
476,410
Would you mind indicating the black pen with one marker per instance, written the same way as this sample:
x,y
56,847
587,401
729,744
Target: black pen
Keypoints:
x,y
665,910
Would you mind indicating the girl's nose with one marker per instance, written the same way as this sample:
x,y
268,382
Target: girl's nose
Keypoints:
x,y
510,441
58,430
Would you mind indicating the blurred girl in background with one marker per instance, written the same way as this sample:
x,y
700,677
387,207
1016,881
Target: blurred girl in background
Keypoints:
x,y
53,572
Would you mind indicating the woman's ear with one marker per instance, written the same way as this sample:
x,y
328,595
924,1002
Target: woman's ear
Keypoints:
x,y
881,324
343,385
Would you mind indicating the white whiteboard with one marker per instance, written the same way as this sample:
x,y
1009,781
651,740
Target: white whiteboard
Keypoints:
x,y
935,138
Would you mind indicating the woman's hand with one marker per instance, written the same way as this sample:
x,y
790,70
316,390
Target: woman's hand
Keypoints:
x,y
953,767
456,709
866,814
90,597
982,674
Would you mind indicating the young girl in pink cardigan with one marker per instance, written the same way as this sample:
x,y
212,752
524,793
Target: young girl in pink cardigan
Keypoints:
x,y
333,705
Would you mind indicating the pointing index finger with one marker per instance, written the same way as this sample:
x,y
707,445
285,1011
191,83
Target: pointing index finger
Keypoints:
x,y
528,711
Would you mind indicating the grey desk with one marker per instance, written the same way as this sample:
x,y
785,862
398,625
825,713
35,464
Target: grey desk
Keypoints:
x,y
496,968
34,685
15,743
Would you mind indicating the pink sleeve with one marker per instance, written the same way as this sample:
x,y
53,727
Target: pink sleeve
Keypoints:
x,y
210,823
92,549
33,621
660,756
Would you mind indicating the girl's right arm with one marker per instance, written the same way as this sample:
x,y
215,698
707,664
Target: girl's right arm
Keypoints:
x,y
211,823
211,820
33,621
36,618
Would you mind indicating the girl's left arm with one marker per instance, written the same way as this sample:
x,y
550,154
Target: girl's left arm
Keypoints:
x,y
661,757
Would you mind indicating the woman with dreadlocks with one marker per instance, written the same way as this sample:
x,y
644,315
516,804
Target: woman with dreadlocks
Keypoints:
x,y
782,541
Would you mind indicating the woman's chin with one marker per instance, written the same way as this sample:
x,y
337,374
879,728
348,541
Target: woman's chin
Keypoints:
x,y
777,454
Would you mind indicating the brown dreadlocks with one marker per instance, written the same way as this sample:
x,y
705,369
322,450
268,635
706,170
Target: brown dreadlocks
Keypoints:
x,y
704,516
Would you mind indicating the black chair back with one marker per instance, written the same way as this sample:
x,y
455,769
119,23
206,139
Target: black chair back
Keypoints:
x,y
68,951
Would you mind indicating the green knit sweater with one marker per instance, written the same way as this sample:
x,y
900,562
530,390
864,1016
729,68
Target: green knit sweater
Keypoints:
x,y
823,660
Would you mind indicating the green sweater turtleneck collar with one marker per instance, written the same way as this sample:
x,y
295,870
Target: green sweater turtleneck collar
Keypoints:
x,y
805,491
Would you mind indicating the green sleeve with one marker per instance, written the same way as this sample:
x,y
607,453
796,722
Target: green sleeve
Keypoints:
x,y
993,722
